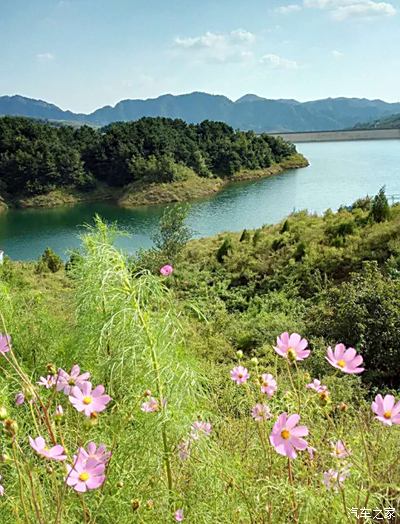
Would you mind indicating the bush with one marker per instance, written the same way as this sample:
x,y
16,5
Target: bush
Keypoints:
x,y
49,261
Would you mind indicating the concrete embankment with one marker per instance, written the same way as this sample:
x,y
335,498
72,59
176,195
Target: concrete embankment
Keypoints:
x,y
329,136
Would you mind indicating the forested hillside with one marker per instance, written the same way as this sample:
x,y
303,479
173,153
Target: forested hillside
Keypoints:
x,y
37,157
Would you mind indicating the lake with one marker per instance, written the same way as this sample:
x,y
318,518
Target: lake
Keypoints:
x,y
340,172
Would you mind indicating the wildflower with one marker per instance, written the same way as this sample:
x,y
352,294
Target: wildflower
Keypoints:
x,y
5,343
178,515
339,450
87,400
184,449
254,361
292,346
48,382
10,427
166,270
92,452
54,453
66,381
260,412
311,452
150,405
1,488
286,435
19,398
239,353
386,410
344,359
240,375
85,475
3,412
316,386
200,428
268,384
335,479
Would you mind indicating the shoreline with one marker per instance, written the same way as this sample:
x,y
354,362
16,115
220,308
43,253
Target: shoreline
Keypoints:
x,y
140,195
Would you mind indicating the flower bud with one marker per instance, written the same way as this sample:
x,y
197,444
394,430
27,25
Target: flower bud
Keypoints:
x,y
120,484
3,412
4,457
51,369
343,407
147,393
150,504
19,398
254,360
10,427
239,353
324,397
135,504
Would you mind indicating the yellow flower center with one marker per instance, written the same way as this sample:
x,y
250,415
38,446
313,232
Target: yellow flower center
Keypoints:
x,y
240,375
87,400
341,363
71,382
387,414
84,476
291,353
285,434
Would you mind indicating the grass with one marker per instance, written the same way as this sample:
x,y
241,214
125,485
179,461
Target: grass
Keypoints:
x,y
135,331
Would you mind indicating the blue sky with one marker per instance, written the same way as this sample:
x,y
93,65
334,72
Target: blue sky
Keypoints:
x,y
83,54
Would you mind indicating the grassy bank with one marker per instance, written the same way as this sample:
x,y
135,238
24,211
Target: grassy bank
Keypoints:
x,y
203,450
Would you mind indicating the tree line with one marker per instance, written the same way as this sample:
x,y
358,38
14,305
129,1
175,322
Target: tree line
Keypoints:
x,y
37,157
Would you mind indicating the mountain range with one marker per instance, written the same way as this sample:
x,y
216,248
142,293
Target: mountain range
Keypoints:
x,y
249,112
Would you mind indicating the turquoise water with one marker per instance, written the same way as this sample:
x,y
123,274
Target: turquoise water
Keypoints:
x,y
340,172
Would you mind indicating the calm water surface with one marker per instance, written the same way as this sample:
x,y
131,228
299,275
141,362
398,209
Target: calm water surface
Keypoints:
x,y
340,172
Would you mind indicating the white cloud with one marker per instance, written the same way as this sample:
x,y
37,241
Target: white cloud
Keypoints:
x,y
287,9
45,57
278,62
337,54
219,47
343,9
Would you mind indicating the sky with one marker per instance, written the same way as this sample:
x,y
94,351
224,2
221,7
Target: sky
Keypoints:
x,y
84,54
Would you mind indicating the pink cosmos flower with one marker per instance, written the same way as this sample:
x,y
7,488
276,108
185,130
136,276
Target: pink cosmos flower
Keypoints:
x,y
92,452
19,398
292,346
200,428
317,386
5,343
286,435
339,450
240,375
386,410
1,488
261,412
40,446
335,479
179,515
166,270
87,400
150,405
268,384
344,359
85,475
47,382
65,381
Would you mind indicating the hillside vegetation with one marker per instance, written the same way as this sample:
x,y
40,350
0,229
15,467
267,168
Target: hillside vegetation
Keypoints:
x,y
196,376
390,122
38,158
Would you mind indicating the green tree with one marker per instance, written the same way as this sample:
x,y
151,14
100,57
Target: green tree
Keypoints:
x,y
380,211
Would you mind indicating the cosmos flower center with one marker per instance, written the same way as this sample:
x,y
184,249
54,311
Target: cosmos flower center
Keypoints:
x,y
240,375
71,382
84,476
285,434
291,353
87,400
341,363
387,414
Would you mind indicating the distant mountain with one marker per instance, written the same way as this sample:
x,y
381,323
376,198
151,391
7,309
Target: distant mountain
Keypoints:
x,y
250,112
391,122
